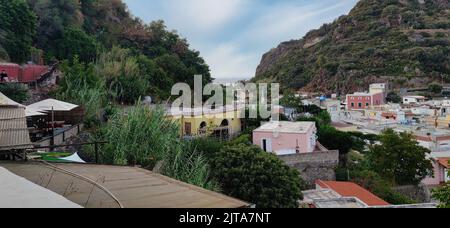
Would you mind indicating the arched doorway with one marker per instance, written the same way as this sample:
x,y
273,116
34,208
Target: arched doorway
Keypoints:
x,y
203,128
223,131
224,123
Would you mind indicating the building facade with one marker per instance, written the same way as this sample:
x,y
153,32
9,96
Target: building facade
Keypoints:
x,y
283,138
222,124
364,101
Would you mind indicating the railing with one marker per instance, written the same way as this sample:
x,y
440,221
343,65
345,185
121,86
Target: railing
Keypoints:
x,y
60,138
76,188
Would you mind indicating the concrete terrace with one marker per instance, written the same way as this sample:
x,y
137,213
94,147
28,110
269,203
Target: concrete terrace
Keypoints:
x,y
115,186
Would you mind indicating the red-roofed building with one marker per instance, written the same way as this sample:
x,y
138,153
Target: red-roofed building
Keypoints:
x,y
349,189
24,74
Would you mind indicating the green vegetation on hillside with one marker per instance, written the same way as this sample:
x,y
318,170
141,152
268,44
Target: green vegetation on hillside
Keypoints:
x,y
400,39
88,30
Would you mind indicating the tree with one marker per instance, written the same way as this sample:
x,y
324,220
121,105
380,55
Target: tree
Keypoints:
x,y
16,92
443,196
122,75
18,25
435,88
393,97
333,139
54,16
250,174
291,101
399,158
76,42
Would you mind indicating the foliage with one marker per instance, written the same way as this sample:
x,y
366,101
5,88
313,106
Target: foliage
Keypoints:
x,y
290,100
435,88
146,138
381,188
399,158
393,97
54,16
75,42
189,165
357,171
139,138
80,85
333,139
442,195
18,28
122,75
16,92
248,173
377,38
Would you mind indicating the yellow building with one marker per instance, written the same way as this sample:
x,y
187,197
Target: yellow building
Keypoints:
x,y
223,124
440,122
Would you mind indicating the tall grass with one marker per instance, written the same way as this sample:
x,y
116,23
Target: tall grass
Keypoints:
x,y
189,165
81,86
146,137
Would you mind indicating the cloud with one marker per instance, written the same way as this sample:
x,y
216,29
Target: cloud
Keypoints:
x,y
203,15
228,62
232,35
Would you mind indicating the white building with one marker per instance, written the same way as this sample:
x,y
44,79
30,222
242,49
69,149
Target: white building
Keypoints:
x,y
413,99
379,88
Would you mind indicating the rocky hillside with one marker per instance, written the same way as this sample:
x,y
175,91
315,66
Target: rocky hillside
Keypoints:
x,y
406,42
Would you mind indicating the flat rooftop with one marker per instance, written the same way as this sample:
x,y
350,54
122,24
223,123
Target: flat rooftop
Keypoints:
x,y
286,127
17,192
132,187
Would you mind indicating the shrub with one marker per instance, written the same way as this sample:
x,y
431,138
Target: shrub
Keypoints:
x,y
248,173
16,92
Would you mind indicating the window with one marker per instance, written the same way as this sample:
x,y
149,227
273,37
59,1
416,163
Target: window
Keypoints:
x,y
353,105
359,105
367,104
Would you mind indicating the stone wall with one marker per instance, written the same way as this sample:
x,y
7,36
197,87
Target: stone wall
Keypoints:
x,y
314,166
421,193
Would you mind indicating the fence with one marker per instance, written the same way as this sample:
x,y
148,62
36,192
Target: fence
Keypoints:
x,y
60,138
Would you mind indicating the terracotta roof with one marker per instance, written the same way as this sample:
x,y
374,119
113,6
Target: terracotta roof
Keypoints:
x,y
349,189
444,162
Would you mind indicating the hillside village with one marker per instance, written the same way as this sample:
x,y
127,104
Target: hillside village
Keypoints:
x,y
52,125
87,121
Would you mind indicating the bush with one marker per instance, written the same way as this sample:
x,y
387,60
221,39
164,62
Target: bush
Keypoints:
x,y
443,196
16,92
393,97
381,188
333,139
248,173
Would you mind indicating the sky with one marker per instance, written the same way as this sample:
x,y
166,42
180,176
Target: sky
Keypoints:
x,y
232,35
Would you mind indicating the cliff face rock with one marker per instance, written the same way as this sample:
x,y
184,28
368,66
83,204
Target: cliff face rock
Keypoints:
x,y
404,42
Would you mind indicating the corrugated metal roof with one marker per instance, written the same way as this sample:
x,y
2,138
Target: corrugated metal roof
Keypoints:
x,y
14,134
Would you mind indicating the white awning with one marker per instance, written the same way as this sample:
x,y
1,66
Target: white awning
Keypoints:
x,y
29,112
52,104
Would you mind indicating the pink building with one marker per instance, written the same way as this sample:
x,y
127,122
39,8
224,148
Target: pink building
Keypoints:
x,y
441,167
284,137
364,101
